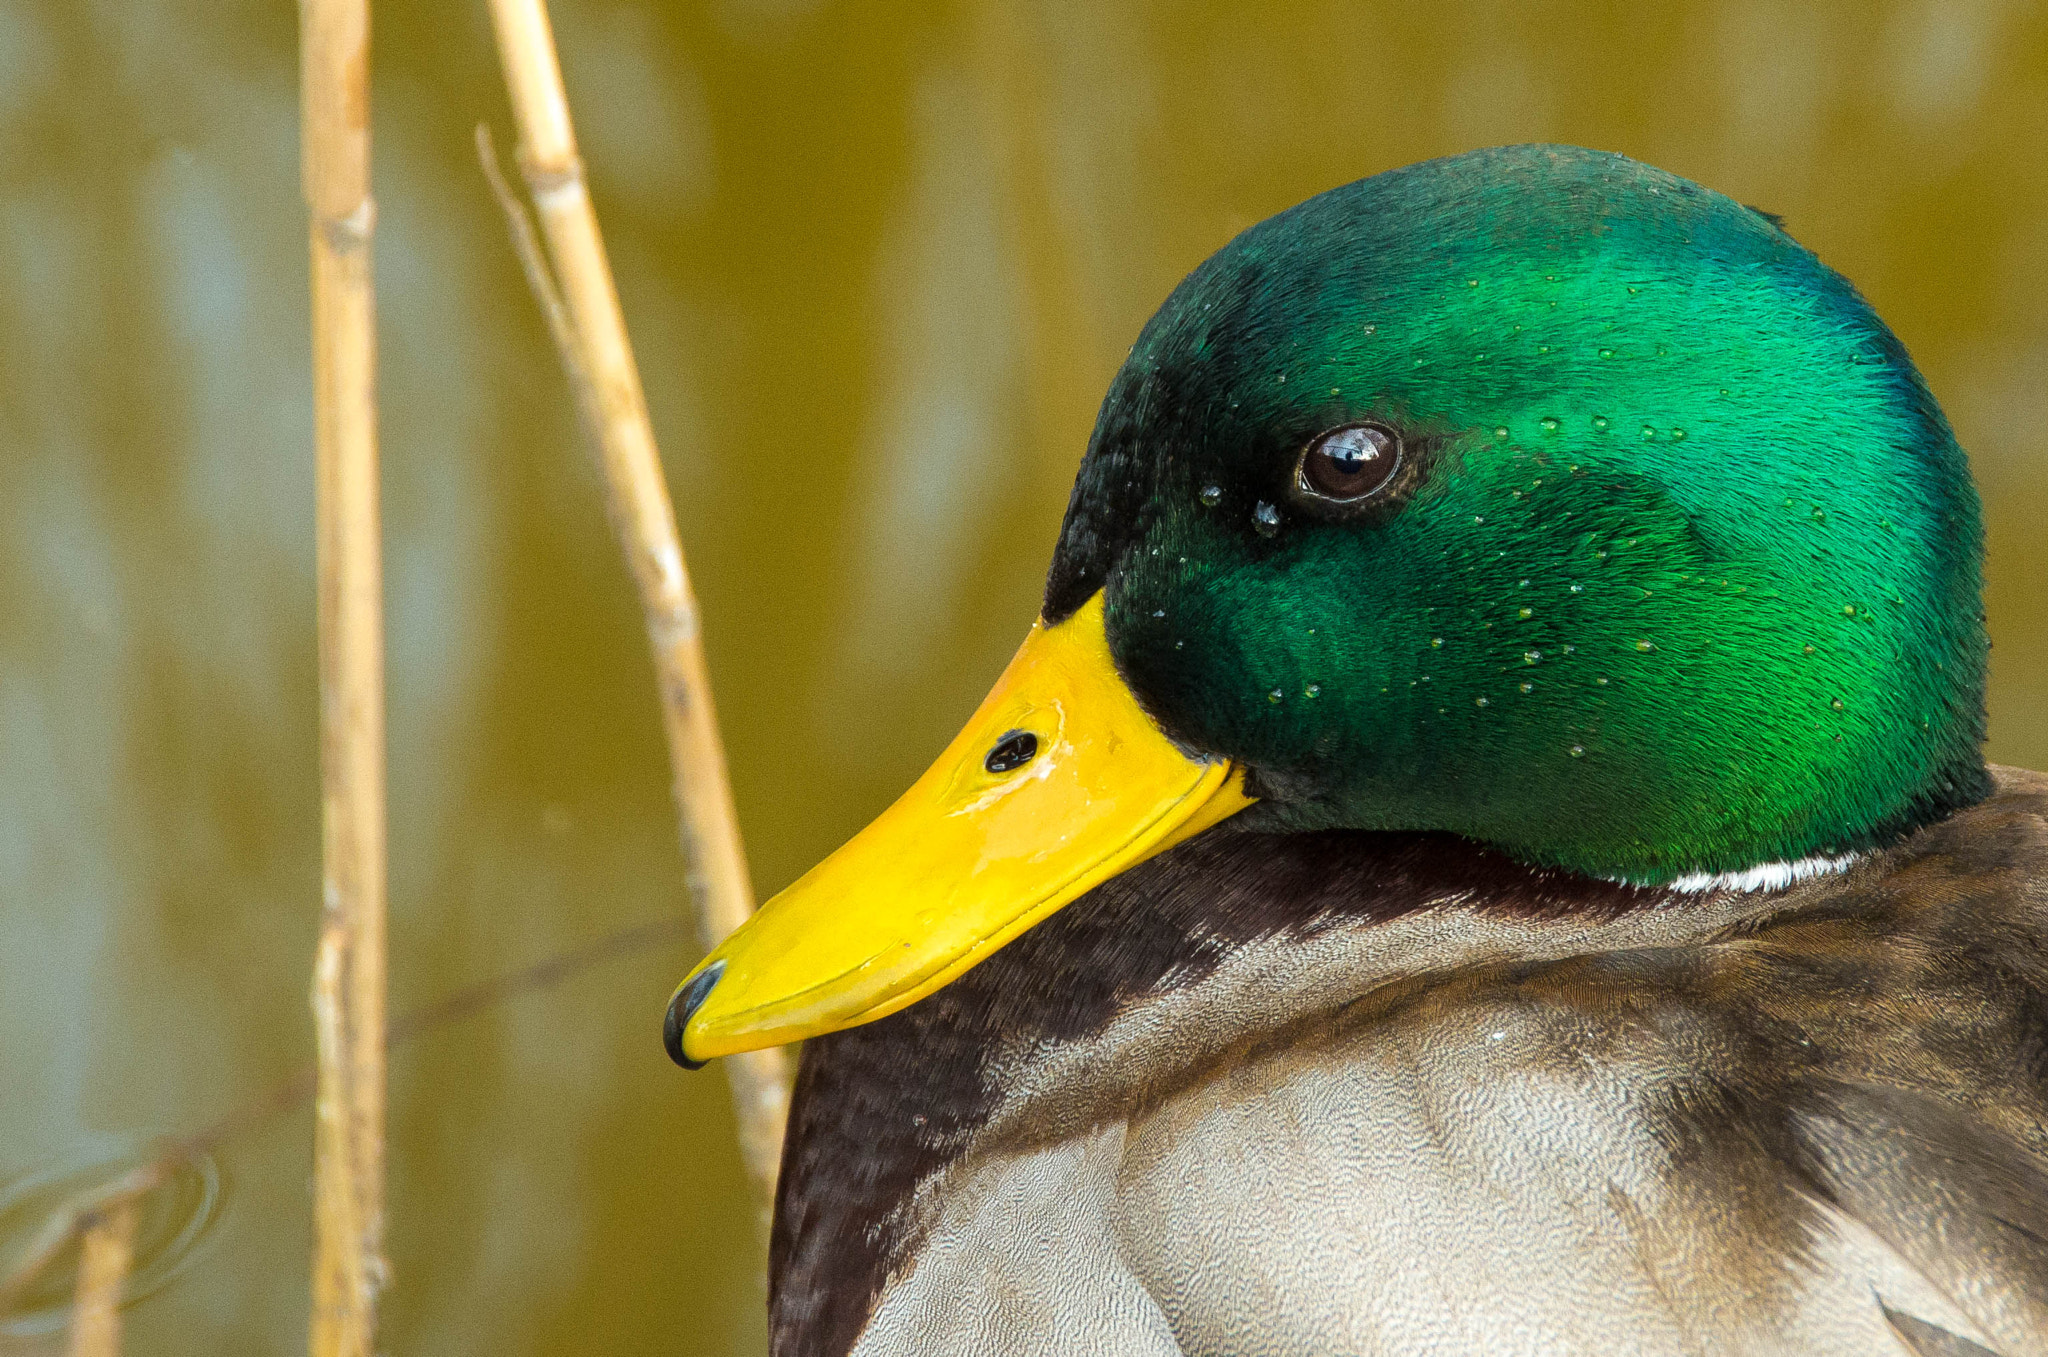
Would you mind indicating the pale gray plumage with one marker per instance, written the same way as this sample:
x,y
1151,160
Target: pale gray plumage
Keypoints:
x,y
1785,1122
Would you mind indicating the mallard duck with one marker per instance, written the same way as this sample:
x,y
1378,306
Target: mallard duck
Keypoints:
x,y
1486,848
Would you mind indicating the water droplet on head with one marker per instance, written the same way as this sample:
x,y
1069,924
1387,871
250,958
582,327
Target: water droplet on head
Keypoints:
x,y
1578,588
1531,656
1649,432
1836,704
1524,584
1436,643
1501,431
1313,690
1548,423
1645,646
1820,515
1848,610
1525,612
1212,495
1578,751
1678,435
1602,681
1275,695
1808,650
1607,353
1479,518
1600,423
1482,702
1528,687
1159,612
1265,519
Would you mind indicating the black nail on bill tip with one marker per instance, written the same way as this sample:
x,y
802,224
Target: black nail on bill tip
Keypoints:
x,y
686,1002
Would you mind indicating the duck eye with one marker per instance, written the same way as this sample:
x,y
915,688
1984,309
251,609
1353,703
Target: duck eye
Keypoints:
x,y
1349,463
1012,752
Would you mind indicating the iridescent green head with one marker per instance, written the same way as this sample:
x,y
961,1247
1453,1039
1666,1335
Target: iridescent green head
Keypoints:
x,y
1649,553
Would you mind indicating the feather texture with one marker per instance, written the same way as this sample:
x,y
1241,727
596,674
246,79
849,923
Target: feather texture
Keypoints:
x,y
1376,1093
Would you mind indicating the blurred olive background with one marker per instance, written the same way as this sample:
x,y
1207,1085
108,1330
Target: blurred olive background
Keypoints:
x,y
880,261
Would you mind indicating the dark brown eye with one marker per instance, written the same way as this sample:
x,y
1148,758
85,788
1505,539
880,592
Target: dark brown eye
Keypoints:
x,y
1350,463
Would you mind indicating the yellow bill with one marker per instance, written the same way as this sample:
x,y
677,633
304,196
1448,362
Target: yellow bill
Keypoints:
x,y
1059,782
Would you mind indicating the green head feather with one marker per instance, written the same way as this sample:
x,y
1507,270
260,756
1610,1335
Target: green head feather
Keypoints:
x,y
1681,570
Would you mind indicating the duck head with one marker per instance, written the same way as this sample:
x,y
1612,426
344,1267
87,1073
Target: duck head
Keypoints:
x,y
1533,495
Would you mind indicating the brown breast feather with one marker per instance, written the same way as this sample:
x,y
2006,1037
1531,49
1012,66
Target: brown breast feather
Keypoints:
x,y
1882,1036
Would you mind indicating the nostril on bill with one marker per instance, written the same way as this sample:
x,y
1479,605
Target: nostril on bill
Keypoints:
x,y
687,1001
1013,751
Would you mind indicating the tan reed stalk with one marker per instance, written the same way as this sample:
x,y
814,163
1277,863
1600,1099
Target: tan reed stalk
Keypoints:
x,y
599,359
69,1222
348,978
104,1257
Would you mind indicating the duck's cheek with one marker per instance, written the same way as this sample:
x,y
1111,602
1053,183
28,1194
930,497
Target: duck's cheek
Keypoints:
x,y
1182,664
1196,671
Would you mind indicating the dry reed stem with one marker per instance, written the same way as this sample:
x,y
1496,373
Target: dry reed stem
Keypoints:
x,y
70,1221
107,1251
348,986
599,360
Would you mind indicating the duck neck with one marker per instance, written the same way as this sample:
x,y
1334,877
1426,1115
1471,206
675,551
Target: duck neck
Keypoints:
x,y
1230,932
